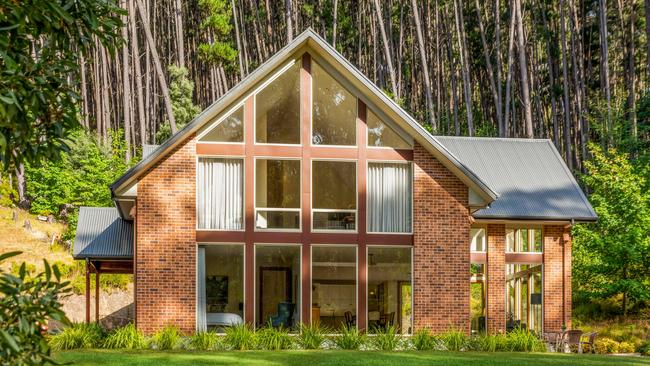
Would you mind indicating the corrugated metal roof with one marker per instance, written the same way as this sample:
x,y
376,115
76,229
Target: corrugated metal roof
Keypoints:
x,y
148,149
102,234
532,180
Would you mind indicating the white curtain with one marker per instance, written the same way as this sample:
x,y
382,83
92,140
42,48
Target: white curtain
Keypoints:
x,y
389,197
220,194
201,318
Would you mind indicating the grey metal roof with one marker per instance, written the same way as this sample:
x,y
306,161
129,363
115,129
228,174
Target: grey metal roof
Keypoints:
x,y
102,234
148,149
530,176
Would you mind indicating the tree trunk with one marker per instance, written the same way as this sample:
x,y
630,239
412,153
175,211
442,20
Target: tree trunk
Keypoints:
x,y
180,38
464,66
604,67
238,37
565,84
126,86
425,66
523,68
137,67
288,18
389,62
335,22
647,35
488,63
511,47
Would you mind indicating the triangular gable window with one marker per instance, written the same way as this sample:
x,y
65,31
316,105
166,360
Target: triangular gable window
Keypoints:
x,y
381,134
277,109
229,129
334,111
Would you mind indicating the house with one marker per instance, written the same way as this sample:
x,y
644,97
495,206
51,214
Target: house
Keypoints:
x,y
305,194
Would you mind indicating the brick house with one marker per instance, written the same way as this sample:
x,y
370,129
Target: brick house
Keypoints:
x,y
305,194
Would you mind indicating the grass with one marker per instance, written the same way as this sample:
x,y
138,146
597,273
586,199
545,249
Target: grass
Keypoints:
x,y
338,358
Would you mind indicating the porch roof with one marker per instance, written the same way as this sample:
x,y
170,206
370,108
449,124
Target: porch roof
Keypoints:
x,y
102,234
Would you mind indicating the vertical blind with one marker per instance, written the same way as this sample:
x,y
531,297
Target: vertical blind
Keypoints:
x,y
389,197
201,316
220,196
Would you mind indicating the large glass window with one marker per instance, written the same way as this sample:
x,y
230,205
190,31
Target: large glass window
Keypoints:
x,y
229,129
277,109
524,240
389,289
381,135
477,298
220,286
334,111
277,285
220,194
334,195
334,286
389,197
277,194
524,295
478,240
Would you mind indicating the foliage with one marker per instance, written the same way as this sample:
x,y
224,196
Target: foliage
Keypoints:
x,y
27,302
349,338
41,43
625,347
241,337
610,256
454,340
644,348
217,21
606,346
183,108
127,337
423,340
634,331
206,341
167,338
78,335
492,342
7,192
524,340
271,338
386,339
312,336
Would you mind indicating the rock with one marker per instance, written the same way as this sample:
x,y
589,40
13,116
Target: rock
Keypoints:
x,y
41,218
27,225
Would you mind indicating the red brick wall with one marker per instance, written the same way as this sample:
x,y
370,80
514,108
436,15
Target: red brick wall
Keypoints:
x,y
441,266
554,237
496,278
166,243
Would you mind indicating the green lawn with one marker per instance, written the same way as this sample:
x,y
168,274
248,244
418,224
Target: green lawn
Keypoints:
x,y
338,358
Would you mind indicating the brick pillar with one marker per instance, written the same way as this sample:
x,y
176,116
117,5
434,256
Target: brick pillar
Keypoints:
x,y
441,261
496,278
166,243
557,247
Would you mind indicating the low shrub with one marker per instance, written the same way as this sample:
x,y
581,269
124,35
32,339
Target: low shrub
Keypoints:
x,y
205,341
644,348
240,337
625,347
273,339
606,346
167,338
386,339
349,338
454,340
78,335
127,337
423,340
311,336
523,340
492,343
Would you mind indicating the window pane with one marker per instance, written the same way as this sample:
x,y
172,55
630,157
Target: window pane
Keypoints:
x,y
477,298
524,240
220,197
389,289
389,197
478,240
335,220
334,284
277,285
220,286
524,293
537,240
510,240
381,135
277,109
277,183
334,185
230,129
334,111
277,219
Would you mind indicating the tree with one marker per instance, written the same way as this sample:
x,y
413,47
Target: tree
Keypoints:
x,y
181,89
41,43
611,256
219,51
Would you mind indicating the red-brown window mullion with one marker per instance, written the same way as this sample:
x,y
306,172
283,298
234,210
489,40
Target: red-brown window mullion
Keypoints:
x,y
305,116
249,210
362,296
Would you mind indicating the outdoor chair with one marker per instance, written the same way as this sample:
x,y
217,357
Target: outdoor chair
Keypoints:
x,y
591,339
553,340
284,317
572,339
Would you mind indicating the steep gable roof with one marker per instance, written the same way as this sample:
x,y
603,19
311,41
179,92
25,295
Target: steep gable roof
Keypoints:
x,y
366,90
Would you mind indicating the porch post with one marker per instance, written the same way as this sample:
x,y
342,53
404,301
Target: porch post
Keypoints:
x,y
87,290
362,252
97,295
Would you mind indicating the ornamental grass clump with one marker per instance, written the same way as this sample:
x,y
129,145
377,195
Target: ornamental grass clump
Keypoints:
x,y
78,335
312,336
524,340
127,337
206,341
349,338
167,338
241,337
274,339
492,342
454,340
423,340
386,338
